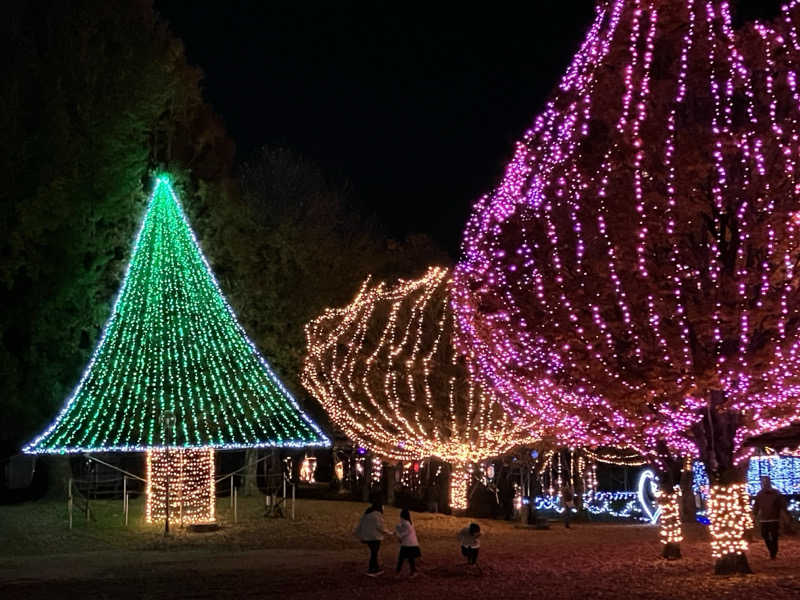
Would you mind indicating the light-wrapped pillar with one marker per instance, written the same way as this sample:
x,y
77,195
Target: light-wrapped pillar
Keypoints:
x,y
459,486
730,517
187,475
670,522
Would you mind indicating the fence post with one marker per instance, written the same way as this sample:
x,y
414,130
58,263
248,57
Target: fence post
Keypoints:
x,y
235,505
293,486
231,490
127,504
125,498
69,501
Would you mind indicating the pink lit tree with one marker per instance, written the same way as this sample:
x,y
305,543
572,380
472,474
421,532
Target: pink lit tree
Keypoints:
x,y
631,281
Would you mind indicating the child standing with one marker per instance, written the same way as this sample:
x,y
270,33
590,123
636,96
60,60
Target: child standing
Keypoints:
x,y
409,546
470,542
370,530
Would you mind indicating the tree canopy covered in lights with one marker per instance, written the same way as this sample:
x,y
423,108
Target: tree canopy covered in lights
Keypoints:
x,y
634,271
172,347
387,374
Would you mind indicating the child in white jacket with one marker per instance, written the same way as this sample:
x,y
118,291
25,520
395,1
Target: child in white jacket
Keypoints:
x,y
409,546
370,531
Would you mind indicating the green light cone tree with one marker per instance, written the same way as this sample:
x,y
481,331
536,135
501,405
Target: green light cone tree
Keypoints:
x,y
173,367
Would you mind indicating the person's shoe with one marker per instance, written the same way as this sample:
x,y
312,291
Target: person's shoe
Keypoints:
x,y
413,575
376,573
773,556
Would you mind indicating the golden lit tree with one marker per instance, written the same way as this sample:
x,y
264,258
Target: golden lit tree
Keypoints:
x,y
386,372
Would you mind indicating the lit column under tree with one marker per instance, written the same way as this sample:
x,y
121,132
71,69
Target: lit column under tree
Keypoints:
x,y
385,371
631,279
175,375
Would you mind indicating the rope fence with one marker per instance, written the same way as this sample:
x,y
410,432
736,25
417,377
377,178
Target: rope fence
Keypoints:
x,y
279,489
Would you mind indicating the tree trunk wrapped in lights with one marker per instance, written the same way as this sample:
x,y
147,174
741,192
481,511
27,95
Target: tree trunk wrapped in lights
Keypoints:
x,y
174,375
669,495
385,370
639,255
730,518
460,478
187,477
670,522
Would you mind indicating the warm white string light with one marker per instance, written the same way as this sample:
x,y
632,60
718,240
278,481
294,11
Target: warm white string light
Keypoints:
x,y
188,477
385,371
670,530
729,512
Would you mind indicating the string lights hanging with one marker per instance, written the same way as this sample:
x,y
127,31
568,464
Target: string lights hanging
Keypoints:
x,y
385,371
631,280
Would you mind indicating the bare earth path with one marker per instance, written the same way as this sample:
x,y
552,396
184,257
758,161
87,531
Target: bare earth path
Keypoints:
x,y
316,557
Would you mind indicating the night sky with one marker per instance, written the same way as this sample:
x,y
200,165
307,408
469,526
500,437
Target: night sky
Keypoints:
x,y
418,108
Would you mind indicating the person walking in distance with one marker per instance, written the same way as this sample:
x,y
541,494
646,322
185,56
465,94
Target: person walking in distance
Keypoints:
x,y
470,542
370,530
409,546
568,498
769,507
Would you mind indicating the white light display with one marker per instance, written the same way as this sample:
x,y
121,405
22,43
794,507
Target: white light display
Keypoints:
x,y
647,492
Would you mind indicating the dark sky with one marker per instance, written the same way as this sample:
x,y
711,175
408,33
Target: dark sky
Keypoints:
x,y
417,107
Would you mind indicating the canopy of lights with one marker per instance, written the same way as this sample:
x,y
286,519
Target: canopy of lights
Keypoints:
x,y
386,372
640,249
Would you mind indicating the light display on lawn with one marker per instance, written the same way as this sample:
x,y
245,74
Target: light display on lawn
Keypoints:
x,y
642,504
307,469
783,471
385,371
173,367
631,281
647,493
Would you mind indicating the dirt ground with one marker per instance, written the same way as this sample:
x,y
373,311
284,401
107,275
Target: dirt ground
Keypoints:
x,y
316,557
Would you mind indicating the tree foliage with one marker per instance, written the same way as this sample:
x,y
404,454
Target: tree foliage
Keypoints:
x,y
295,242
633,278
95,96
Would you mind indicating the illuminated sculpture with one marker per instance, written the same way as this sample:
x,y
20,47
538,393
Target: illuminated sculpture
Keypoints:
x,y
385,371
631,281
307,468
175,375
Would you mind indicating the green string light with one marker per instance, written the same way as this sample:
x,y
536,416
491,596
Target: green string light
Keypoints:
x,y
173,346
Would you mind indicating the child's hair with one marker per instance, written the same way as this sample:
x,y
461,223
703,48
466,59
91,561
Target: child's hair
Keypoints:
x,y
474,528
373,507
404,514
